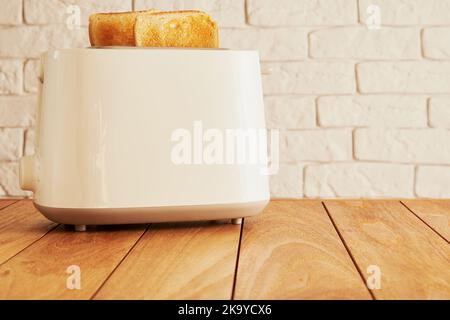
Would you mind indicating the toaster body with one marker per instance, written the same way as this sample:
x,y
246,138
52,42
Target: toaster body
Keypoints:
x,y
131,135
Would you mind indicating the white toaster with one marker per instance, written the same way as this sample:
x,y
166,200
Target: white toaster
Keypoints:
x,y
136,135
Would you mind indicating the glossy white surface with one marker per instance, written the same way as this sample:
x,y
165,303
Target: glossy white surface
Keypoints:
x,y
106,119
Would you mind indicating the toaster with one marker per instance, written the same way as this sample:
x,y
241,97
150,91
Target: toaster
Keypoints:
x,y
135,135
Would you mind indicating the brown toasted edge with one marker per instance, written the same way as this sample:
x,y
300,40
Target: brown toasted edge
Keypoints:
x,y
90,31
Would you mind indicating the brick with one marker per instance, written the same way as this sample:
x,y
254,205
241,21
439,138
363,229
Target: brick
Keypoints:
x,y
439,111
227,13
435,43
11,12
11,76
409,12
354,180
404,77
11,142
290,112
362,43
433,182
61,11
301,12
287,183
308,78
32,41
273,44
373,111
9,179
403,145
31,75
316,145
30,142
17,111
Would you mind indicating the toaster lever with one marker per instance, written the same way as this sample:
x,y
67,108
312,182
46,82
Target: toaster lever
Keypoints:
x,y
27,173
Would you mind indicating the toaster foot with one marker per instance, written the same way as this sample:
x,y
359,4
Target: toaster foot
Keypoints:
x,y
80,227
236,221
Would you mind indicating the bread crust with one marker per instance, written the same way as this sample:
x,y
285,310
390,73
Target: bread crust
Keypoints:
x,y
190,28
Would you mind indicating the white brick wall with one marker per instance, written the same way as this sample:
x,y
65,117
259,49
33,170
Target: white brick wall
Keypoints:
x,y
409,12
433,44
11,76
57,11
432,182
301,12
362,43
404,77
11,141
17,111
227,13
26,41
403,145
439,111
308,77
31,75
9,172
273,44
362,112
316,145
359,180
288,183
290,112
373,111
11,12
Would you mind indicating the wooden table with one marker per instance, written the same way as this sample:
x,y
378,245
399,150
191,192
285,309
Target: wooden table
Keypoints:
x,y
299,249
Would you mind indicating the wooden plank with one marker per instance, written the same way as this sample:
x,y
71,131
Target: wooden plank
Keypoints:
x,y
20,225
435,213
178,261
292,251
6,202
413,260
40,271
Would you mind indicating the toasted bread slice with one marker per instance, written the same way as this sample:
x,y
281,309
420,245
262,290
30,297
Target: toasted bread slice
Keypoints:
x,y
113,29
193,29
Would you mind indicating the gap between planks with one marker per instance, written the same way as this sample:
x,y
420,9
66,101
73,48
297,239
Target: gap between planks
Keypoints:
x,y
435,214
123,258
195,260
21,225
412,258
237,259
272,263
348,251
42,267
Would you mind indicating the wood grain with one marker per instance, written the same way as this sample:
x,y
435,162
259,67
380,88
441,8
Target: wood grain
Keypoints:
x,y
6,202
414,261
20,225
292,251
40,271
178,261
435,213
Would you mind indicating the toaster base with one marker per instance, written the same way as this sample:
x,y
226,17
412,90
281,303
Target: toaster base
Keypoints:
x,y
102,216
